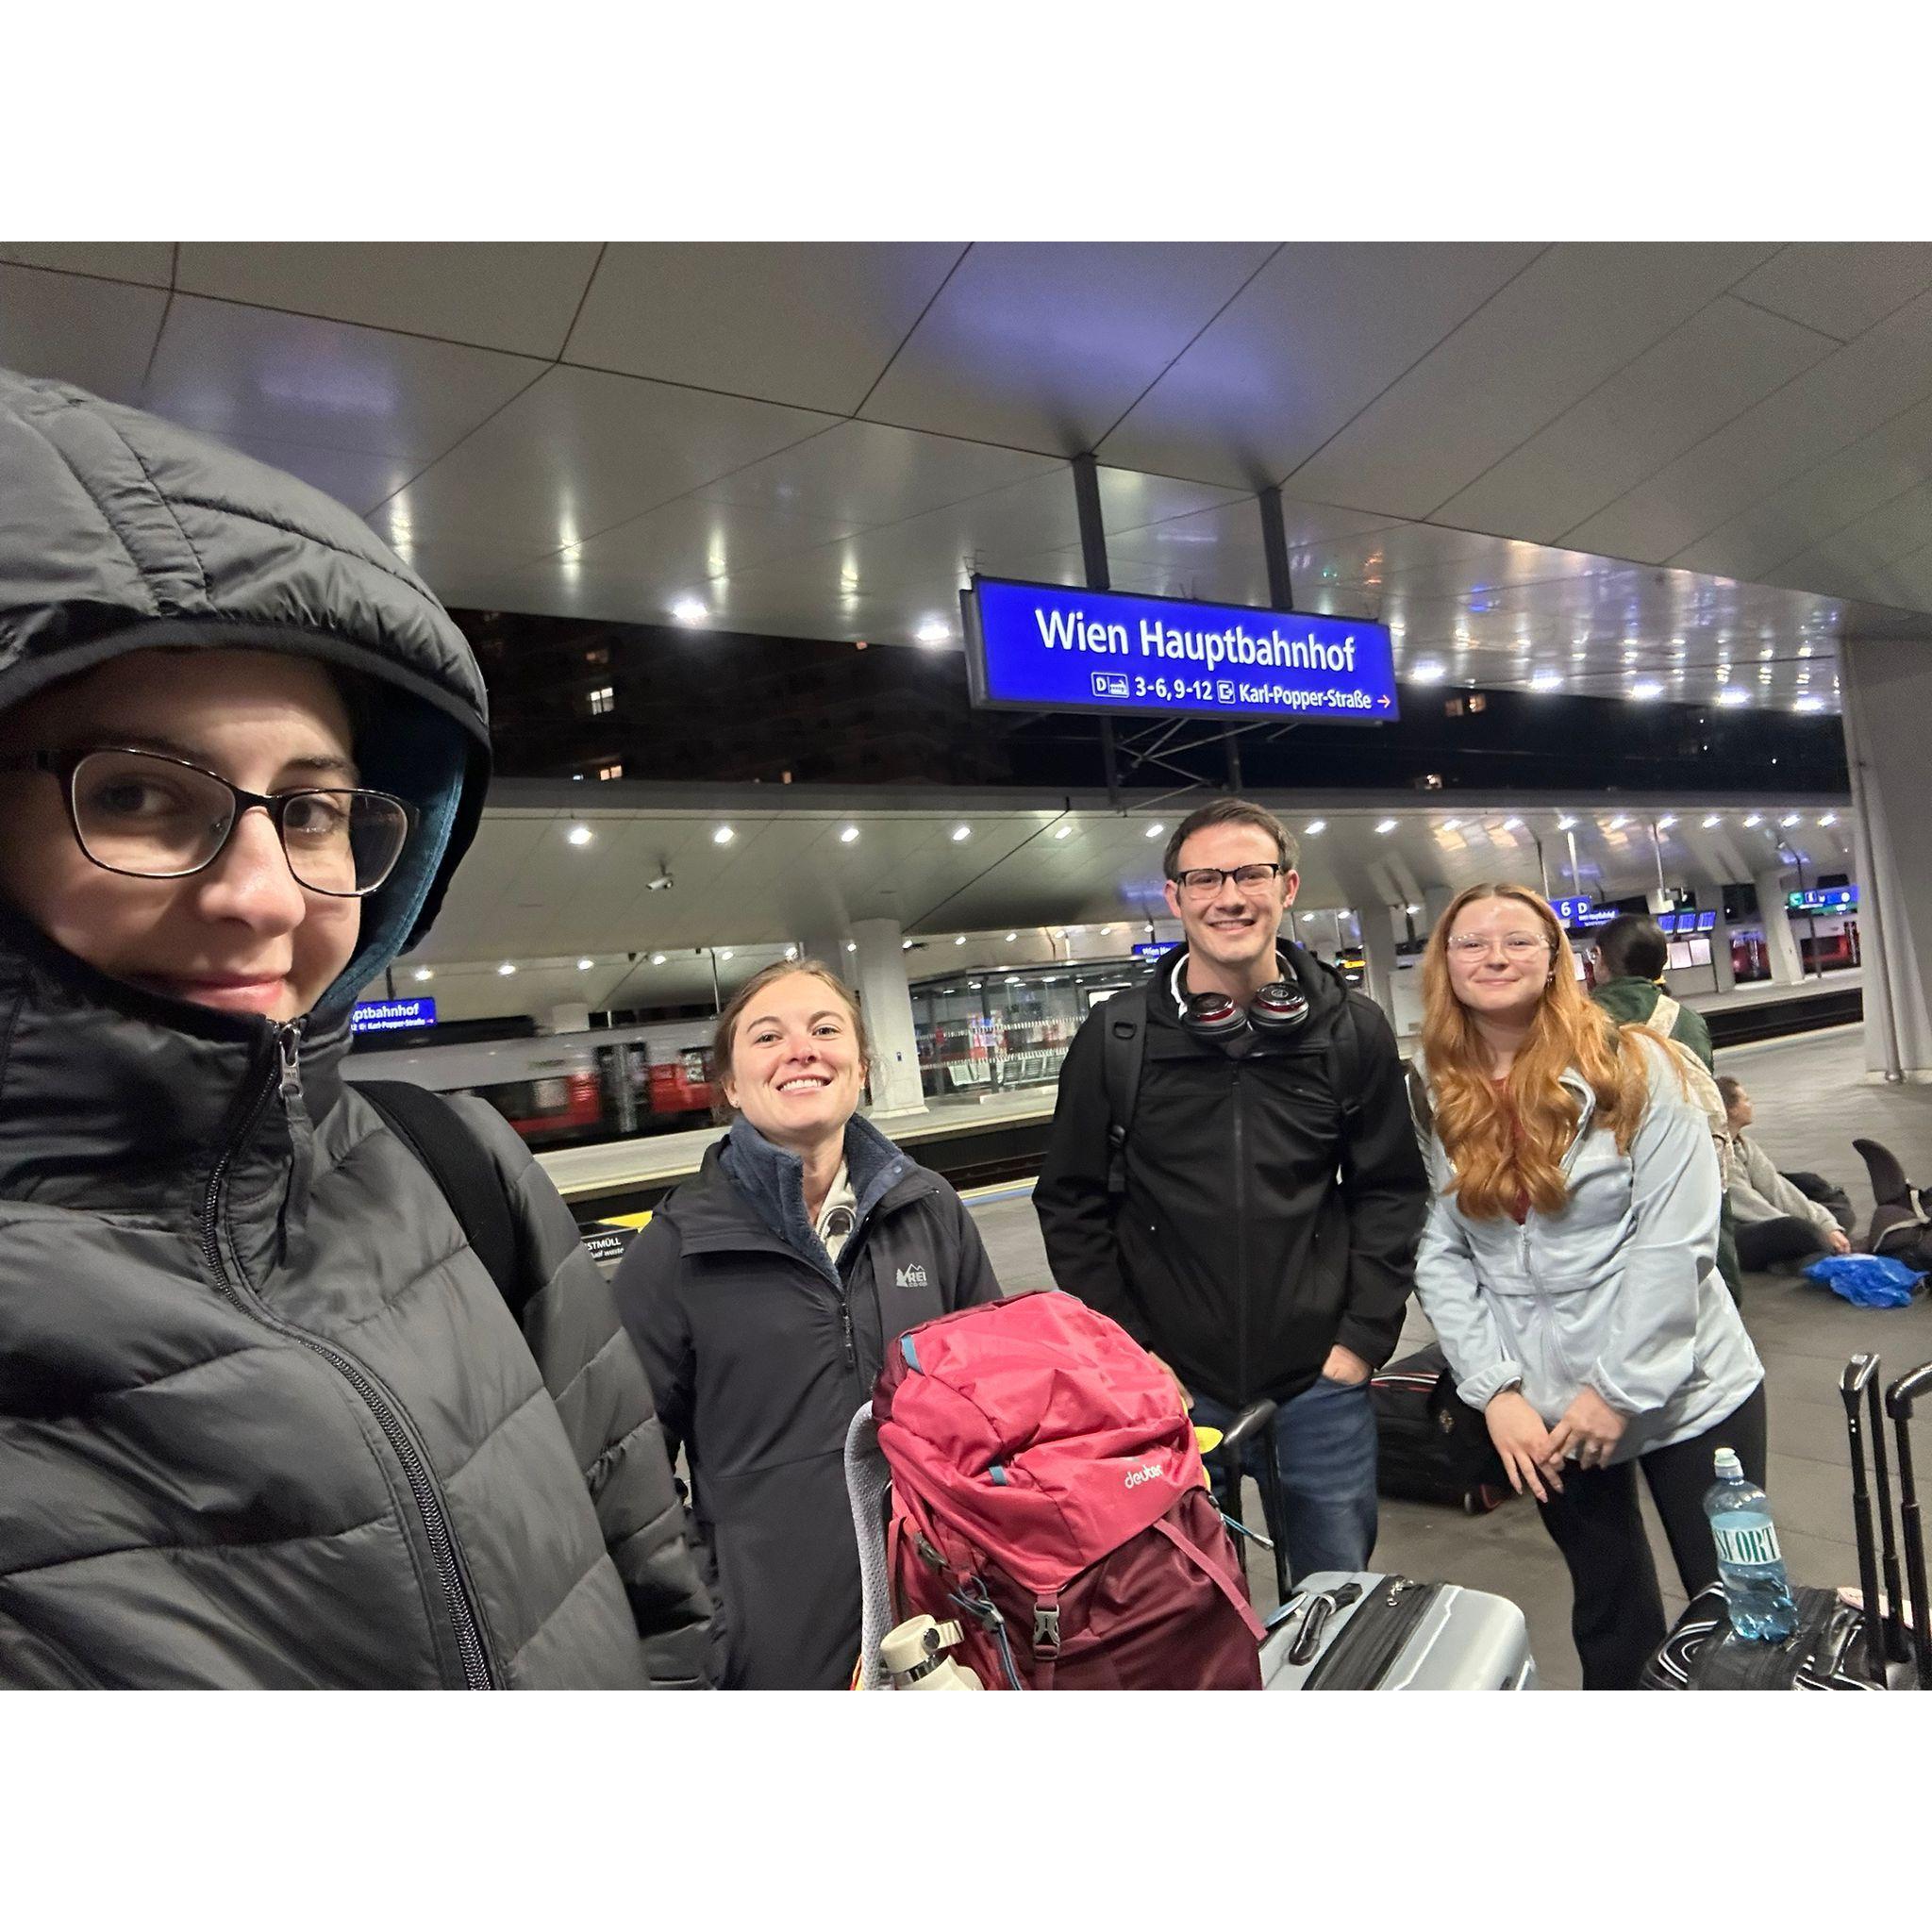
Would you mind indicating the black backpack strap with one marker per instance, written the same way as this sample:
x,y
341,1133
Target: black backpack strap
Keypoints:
x,y
433,1132
1345,1059
1123,1042
1419,1111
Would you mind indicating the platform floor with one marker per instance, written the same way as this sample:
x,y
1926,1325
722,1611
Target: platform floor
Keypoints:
x,y
1811,1098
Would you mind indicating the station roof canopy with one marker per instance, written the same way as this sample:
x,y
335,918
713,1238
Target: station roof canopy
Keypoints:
x,y
531,895
1584,464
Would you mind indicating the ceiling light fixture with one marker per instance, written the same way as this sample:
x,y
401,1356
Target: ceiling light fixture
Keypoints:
x,y
1714,819
1012,936
1830,817
422,973
580,835
1387,827
1314,828
1155,830
505,971
726,953
1565,823
583,965
848,835
722,836
1756,817
657,958
690,610
1647,689
1733,695
935,630
1428,672
960,941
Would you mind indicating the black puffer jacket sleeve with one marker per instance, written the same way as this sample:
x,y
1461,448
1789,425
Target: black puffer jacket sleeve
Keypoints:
x,y
603,1398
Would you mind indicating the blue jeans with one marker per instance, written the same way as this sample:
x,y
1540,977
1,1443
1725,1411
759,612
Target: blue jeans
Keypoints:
x,y
1324,1448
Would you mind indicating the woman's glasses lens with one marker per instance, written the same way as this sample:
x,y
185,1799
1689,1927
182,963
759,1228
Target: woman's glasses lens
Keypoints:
x,y
154,818
1519,945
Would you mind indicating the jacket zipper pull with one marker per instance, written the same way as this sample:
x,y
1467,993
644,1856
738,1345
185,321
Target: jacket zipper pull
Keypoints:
x,y
288,1053
288,1049
845,1331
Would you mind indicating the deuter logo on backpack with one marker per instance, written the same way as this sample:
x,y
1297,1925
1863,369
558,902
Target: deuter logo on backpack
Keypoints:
x,y
1144,1474
912,1275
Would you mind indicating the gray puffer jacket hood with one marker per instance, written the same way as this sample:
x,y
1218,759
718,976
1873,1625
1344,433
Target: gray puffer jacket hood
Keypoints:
x,y
264,1418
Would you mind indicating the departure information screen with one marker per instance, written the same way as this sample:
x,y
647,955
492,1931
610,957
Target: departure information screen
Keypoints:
x,y
1042,646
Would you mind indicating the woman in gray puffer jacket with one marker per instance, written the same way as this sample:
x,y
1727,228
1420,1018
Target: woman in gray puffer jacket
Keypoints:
x,y
265,1419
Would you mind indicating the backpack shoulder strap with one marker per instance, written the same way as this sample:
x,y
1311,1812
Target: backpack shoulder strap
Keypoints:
x,y
1123,1044
1345,1056
433,1132
1420,1110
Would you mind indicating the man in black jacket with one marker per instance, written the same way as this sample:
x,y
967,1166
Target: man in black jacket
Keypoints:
x,y
1270,1193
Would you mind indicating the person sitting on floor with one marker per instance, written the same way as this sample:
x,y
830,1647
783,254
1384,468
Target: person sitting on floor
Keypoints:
x,y
1779,1217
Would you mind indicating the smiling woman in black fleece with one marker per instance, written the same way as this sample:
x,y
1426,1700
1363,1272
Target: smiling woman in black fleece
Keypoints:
x,y
762,1296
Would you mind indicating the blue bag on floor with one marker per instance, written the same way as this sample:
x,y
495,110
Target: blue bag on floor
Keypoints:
x,y
1870,1281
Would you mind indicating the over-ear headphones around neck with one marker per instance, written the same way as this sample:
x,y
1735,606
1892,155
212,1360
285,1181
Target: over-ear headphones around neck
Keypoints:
x,y
1279,1008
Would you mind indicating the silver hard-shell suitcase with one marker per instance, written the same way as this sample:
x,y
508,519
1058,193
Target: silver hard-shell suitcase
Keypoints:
x,y
1372,1631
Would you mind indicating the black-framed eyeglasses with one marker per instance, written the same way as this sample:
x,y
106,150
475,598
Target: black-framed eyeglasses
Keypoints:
x,y
1200,880
154,817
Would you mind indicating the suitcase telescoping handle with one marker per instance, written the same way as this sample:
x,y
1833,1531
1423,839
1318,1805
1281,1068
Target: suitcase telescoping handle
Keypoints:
x,y
1858,1386
1899,1399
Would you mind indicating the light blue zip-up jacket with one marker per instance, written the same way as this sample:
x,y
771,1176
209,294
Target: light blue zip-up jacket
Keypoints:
x,y
1618,1292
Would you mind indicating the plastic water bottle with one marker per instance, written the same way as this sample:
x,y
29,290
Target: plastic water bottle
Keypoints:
x,y
1756,1587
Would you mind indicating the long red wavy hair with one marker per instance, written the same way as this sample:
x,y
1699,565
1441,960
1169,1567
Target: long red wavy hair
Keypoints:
x,y
1504,1151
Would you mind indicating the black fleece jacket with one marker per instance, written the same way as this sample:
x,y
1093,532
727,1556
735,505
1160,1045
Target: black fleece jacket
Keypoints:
x,y
1272,1201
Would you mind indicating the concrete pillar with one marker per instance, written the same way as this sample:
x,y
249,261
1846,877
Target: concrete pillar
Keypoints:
x,y
1378,956
828,949
888,1006
1780,943
1887,699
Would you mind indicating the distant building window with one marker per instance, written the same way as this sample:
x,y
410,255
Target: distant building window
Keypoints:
x,y
602,700
611,771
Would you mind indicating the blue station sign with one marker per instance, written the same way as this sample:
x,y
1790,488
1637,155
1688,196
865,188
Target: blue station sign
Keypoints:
x,y
1042,646
1152,949
1573,911
390,1016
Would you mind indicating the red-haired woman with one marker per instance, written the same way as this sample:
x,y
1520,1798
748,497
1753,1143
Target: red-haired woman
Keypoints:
x,y
1570,1263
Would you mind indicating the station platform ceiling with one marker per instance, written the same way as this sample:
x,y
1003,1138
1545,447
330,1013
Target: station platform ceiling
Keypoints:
x,y
1578,466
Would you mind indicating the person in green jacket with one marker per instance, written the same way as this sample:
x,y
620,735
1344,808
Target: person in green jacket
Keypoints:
x,y
1631,954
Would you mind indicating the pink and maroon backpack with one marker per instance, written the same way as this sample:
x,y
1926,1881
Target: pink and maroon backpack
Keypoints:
x,y
1047,1494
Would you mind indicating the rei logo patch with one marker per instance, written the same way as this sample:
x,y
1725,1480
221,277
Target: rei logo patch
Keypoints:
x,y
912,1275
